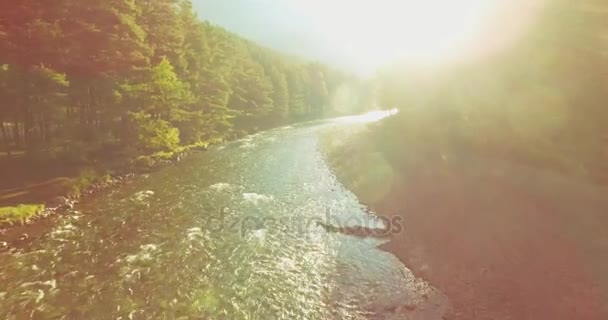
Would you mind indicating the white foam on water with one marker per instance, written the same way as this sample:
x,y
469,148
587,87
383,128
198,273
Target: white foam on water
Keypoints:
x,y
149,247
145,253
52,284
143,195
194,233
248,145
257,198
286,263
69,226
194,230
138,257
64,230
259,234
222,186
40,296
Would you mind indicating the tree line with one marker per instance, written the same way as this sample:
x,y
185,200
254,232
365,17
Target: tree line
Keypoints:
x,y
81,79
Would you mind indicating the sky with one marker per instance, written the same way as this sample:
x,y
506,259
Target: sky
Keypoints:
x,y
363,35
272,23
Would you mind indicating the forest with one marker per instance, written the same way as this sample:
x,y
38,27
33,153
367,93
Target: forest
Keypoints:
x,y
84,81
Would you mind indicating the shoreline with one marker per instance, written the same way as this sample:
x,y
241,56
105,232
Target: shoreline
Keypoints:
x,y
142,164
17,234
58,204
500,239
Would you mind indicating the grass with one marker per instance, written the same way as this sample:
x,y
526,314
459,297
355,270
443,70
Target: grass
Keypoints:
x,y
20,214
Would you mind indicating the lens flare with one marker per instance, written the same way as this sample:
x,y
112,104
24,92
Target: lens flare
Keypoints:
x,y
372,33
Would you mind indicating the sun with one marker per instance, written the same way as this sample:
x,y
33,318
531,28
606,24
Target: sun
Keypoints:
x,y
371,33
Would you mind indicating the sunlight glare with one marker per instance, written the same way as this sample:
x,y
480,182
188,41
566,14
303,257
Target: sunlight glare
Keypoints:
x,y
371,116
382,31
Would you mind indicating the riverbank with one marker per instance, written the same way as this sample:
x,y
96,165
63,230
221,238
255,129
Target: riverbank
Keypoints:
x,y
32,189
501,239
32,192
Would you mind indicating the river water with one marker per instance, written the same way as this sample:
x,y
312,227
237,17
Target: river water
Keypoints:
x,y
231,233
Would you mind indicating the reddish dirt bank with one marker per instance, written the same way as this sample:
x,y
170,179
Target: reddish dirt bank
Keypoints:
x,y
505,242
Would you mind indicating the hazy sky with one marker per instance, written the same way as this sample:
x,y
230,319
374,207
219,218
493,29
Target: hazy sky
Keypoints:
x,y
365,34
274,23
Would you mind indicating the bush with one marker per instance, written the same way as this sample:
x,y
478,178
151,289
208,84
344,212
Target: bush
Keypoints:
x,y
87,178
20,214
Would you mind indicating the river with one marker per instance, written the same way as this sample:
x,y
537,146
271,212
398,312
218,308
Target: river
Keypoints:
x,y
231,233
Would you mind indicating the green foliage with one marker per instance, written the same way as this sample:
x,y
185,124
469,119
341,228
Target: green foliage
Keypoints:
x,y
20,214
82,80
280,95
154,135
85,180
166,91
